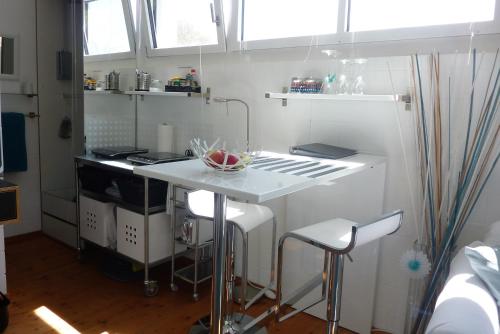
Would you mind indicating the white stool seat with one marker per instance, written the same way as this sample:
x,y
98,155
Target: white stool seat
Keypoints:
x,y
334,233
246,216
337,237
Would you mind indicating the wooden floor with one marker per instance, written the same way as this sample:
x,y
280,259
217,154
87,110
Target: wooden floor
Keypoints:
x,y
43,272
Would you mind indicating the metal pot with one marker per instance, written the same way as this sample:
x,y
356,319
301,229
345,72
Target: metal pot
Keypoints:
x,y
143,81
112,81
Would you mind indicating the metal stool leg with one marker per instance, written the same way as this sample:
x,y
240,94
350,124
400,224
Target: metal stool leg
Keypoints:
x,y
273,252
279,278
272,273
334,293
244,272
230,271
173,219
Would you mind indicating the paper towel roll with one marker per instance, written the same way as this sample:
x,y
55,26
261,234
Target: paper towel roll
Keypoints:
x,y
165,137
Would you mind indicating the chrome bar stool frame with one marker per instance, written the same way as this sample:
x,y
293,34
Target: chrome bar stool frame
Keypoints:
x,y
232,319
334,260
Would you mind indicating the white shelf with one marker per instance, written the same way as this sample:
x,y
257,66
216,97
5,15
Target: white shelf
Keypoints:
x,y
340,97
336,97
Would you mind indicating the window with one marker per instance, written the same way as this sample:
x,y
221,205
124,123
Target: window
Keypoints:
x,y
366,15
289,23
107,27
185,25
133,8
264,19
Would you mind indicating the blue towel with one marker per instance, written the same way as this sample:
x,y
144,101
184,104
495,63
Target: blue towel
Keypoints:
x,y
14,142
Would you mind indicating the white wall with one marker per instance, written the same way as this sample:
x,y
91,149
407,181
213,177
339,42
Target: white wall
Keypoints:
x,y
18,18
50,22
366,126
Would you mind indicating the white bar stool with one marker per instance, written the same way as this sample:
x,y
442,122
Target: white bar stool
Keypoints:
x,y
244,217
336,237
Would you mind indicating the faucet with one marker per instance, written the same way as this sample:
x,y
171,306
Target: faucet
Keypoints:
x,y
226,100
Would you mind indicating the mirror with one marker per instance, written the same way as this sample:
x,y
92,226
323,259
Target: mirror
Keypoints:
x,y
7,55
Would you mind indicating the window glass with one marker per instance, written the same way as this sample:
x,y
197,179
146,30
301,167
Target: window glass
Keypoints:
x,y
264,19
133,8
105,28
389,14
183,23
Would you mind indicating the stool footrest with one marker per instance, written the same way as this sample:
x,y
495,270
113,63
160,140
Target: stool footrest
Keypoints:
x,y
304,290
302,309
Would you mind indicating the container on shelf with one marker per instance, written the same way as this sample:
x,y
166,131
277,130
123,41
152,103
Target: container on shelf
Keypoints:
x,y
132,191
156,86
189,231
94,179
130,235
143,81
307,86
97,222
112,81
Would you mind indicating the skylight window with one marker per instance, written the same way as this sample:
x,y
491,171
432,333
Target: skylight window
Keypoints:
x,y
366,15
185,24
105,27
263,19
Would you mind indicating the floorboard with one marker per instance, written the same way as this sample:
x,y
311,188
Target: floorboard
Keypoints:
x,y
44,272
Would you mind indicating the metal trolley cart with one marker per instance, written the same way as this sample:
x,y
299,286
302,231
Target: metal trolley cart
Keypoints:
x,y
201,269
147,208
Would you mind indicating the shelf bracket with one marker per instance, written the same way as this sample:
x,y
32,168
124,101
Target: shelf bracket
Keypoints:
x,y
207,96
407,101
284,102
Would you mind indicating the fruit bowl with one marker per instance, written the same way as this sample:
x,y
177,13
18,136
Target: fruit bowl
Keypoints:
x,y
221,159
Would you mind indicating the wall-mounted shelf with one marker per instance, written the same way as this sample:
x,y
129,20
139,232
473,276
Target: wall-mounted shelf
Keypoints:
x,y
131,93
145,93
284,97
102,92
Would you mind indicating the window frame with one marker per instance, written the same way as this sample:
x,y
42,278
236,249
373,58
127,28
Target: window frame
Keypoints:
x,y
343,36
152,51
129,24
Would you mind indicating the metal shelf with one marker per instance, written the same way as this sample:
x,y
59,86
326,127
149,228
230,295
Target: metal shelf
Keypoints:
x,y
118,201
103,92
187,273
284,97
167,94
131,93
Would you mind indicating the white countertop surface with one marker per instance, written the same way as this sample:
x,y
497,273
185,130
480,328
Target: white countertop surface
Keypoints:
x,y
253,184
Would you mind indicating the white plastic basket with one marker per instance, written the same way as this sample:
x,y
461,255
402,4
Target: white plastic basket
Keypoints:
x,y
97,222
131,235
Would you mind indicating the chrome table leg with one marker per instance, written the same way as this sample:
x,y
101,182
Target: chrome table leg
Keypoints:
x,y
150,287
218,323
219,264
77,191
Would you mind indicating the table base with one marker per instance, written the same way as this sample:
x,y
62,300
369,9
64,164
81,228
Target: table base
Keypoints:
x,y
202,326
